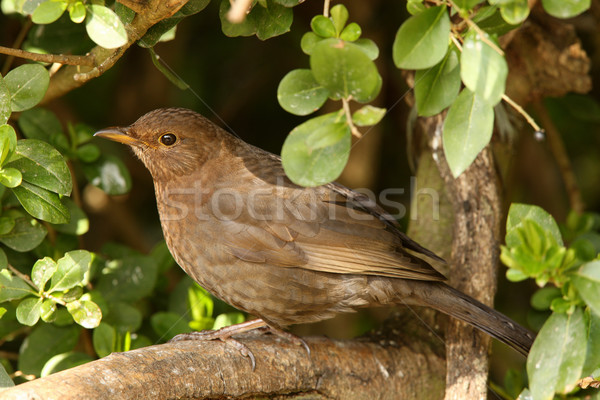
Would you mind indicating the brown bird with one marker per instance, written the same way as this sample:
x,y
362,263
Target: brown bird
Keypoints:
x,y
285,253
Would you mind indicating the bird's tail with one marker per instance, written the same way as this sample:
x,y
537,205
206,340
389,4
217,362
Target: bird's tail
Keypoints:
x,y
448,300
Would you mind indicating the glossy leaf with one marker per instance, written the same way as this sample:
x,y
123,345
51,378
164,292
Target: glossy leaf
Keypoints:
x,y
44,342
109,174
265,22
8,142
351,33
77,12
25,236
467,130
368,115
422,40
27,85
323,26
309,41
12,287
316,151
41,203
48,12
228,319
300,94
28,311
71,270
5,102
63,361
515,12
86,313
42,271
104,339
565,8
39,123
557,356
345,70
128,279
10,177
6,225
520,212
104,27
587,283
339,17
483,69
48,311
437,88
368,47
123,317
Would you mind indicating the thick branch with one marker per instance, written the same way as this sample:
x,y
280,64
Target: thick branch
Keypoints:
x,y
197,370
148,14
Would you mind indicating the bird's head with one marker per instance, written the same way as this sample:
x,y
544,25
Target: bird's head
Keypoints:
x,y
169,141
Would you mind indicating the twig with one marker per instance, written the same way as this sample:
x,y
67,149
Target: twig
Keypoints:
x,y
482,35
557,148
524,113
22,276
49,58
238,11
326,8
353,128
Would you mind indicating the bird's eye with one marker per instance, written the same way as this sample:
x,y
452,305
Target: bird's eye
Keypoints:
x,y
168,139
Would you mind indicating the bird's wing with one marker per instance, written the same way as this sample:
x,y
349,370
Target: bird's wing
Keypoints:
x,y
318,229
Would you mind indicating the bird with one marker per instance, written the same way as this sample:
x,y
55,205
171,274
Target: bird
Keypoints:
x,y
288,254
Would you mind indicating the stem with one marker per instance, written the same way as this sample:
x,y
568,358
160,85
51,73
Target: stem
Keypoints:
x,y
49,58
326,8
23,276
353,128
238,11
477,29
524,113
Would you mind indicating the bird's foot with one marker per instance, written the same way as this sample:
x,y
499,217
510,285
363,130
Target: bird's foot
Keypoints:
x,y
297,340
224,335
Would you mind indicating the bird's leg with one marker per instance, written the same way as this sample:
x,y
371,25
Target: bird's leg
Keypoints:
x,y
297,340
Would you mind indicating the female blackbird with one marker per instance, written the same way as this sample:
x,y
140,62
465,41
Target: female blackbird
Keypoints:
x,y
285,253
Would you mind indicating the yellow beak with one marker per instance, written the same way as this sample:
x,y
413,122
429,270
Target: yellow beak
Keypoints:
x,y
118,134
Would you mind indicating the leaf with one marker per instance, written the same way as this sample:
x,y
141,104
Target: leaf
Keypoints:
x,y
587,283
13,287
25,236
28,311
228,319
422,40
309,41
565,8
467,130
10,177
246,28
368,115
542,299
129,279
309,163
483,70
42,271
339,17
174,78
437,88
44,342
5,102
6,225
123,317
323,26
300,94
85,312
8,141
557,356
265,22
39,123
63,361
48,310
42,165
109,174
515,12
104,339
41,203
78,222
5,380
520,212
345,70
592,360
71,270
167,325
48,12
77,12
368,47
27,85
351,33
104,27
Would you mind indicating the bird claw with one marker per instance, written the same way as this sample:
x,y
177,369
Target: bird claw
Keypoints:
x,y
297,340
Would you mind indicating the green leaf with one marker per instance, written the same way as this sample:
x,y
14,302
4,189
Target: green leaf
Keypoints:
x,y
520,212
308,165
25,236
10,177
557,356
77,12
167,325
104,339
491,21
308,42
422,40
104,27
48,310
8,141
415,7
28,311
71,270
565,8
78,222
345,70
323,26
339,17
246,28
515,12
6,225
13,287
5,380
272,20
368,115
351,33
123,317
228,319
467,130
128,279
39,123
48,12
41,203
437,88
592,360
63,361
587,283
5,102
42,271
300,94
542,299
174,78
45,342
368,47
483,70
109,174
86,313
467,4
42,165
27,85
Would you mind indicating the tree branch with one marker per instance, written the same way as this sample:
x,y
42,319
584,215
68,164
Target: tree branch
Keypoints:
x,y
190,369
49,58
